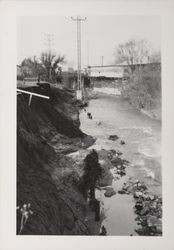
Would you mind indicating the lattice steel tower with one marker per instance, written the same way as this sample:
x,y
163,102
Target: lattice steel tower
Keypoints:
x,y
79,80
49,41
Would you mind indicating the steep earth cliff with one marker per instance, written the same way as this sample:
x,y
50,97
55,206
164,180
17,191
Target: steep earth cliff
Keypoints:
x,y
47,179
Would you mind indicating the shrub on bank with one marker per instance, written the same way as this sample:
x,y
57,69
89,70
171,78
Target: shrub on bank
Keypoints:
x,y
144,87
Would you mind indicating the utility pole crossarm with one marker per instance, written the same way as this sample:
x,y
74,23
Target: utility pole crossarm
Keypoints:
x,y
78,18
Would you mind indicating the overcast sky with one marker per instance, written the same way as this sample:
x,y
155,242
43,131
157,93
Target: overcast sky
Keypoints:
x,y
100,36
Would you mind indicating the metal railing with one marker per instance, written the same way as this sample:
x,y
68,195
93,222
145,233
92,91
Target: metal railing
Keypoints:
x,y
32,94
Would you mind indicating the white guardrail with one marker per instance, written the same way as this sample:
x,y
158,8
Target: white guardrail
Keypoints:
x,y
31,94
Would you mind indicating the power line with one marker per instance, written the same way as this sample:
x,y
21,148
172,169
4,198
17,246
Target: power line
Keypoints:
x,y
78,19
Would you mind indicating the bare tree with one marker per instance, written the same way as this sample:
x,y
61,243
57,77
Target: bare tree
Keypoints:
x,y
52,64
155,57
133,52
31,67
48,66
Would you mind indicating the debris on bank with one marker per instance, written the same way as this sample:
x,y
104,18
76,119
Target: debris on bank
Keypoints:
x,y
115,138
148,208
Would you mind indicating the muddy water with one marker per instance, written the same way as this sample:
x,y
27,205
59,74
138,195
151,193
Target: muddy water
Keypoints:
x,y
142,136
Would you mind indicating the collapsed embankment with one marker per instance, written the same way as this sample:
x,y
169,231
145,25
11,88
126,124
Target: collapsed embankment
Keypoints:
x,y
47,181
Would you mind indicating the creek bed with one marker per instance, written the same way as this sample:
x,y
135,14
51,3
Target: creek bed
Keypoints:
x,y
142,135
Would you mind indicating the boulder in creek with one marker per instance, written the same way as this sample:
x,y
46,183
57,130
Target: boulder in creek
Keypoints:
x,y
122,191
136,181
121,172
138,195
145,210
139,186
152,197
139,205
122,142
109,192
154,221
117,161
113,137
111,153
125,188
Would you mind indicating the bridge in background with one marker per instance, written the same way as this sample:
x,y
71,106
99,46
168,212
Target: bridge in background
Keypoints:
x,y
117,71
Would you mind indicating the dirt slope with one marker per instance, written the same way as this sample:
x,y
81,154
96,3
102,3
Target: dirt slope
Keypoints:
x,y
46,178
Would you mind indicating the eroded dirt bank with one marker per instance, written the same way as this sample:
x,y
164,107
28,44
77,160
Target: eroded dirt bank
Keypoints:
x,y
47,180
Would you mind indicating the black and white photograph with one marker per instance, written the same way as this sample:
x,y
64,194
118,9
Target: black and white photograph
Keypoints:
x,y
89,126
86,125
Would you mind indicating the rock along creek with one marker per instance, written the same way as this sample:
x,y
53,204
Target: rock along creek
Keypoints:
x,y
142,135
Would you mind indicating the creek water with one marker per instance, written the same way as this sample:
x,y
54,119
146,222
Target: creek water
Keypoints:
x,y
111,115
